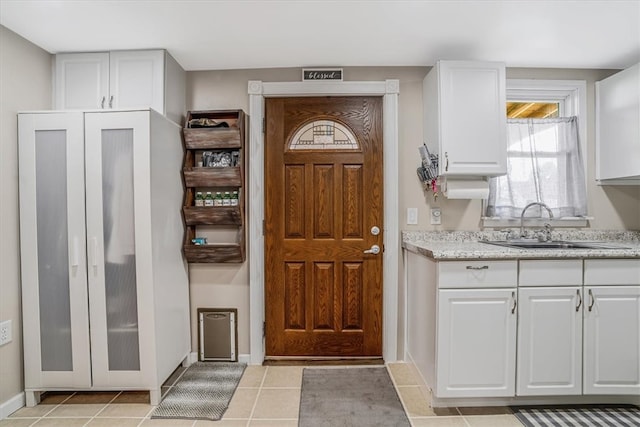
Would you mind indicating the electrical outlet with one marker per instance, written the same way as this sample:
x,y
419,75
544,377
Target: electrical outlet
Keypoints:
x,y
436,218
412,216
5,332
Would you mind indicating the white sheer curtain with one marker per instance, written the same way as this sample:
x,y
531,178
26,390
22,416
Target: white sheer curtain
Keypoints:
x,y
544,164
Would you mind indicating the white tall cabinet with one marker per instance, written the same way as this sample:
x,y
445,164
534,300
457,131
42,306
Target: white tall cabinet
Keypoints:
x,y
121,79
105,288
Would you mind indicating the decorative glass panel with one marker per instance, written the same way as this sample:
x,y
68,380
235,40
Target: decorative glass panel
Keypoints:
x,y
53,250
323,135
119,250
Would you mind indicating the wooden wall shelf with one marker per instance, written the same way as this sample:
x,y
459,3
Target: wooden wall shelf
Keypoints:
x,y
199,220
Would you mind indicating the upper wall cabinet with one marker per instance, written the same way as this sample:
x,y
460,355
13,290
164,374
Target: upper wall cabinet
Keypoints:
x,y
618,128
121,79
465,117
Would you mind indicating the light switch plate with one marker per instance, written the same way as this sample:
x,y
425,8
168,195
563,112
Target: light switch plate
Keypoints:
x,y
412,216
436,216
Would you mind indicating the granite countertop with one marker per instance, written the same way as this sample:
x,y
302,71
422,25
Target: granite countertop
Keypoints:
x,y
452,245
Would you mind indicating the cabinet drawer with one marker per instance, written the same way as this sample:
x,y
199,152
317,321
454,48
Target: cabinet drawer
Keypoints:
x,y
477,274
552,272
612,272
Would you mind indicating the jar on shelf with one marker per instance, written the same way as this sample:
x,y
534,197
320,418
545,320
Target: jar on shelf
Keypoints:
x,y
199,199
234,198
218,199
226,199
208,200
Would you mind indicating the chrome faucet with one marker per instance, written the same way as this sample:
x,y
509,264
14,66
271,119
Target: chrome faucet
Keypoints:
x,y
522,217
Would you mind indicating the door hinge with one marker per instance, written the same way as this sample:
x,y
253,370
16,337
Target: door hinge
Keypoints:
x,y
263,226
264,124
264,329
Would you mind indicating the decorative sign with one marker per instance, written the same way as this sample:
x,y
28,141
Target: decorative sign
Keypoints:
x,y
314,74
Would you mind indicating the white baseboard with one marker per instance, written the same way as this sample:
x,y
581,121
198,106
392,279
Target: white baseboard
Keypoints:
x,y
242,358
12,405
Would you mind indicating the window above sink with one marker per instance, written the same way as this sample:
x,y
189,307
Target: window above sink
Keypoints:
x,y
541,99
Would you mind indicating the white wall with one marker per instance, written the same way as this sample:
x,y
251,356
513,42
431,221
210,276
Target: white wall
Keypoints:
x,y
228,285
25,84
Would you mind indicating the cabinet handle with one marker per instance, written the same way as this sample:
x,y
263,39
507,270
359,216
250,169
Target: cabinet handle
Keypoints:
x,y
111,102
579,299
515,303
472,267
76,253
94,254
592,300
102,103
446,158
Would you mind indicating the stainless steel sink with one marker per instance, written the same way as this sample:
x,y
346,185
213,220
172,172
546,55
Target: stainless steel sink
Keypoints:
x,y
554,244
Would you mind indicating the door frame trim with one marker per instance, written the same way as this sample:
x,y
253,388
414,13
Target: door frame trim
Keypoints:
x,y
389,91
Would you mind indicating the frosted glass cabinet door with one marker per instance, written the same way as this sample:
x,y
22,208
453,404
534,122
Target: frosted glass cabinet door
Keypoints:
x,y
55,311
115,141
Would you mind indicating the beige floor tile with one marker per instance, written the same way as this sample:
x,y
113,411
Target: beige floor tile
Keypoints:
x,y
114,422
241,403
222,423
132,397
166,423
438,422
61,422
133,410
415,402
34,411
283,376
273,423
252,376
493,421
92,397
402,374
277,403
17,422
77,410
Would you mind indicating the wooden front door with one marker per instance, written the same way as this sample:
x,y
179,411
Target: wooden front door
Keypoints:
x,y
323,210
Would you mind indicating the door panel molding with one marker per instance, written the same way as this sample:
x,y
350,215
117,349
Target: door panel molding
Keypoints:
x,y
389,91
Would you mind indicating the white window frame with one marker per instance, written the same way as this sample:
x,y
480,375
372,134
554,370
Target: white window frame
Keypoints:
x,y
572,98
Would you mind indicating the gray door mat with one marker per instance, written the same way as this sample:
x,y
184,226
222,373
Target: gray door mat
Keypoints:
x,y
350,397
203,392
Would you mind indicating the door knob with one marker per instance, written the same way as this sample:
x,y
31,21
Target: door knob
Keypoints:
x,y
375,249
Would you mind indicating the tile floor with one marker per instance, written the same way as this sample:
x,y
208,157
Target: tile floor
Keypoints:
x,y
267,396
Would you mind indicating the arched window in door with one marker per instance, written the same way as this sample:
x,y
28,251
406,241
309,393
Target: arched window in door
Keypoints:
x,y
323,135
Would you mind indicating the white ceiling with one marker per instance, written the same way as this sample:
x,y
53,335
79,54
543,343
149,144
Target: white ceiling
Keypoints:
x,y
208,35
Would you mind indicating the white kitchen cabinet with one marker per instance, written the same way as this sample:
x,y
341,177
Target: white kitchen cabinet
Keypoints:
x,y
549,341
618,128
465,117
121,79
476,343
105,288
612,327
